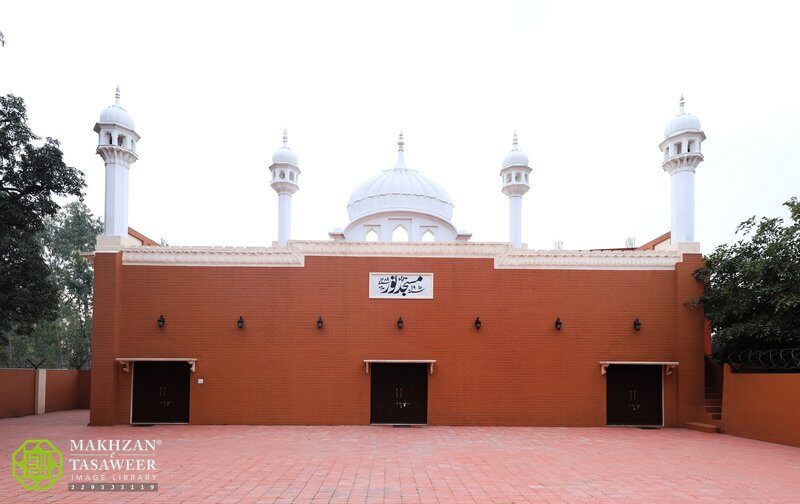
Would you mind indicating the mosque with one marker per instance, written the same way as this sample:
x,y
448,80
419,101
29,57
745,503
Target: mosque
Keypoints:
x,y
399,317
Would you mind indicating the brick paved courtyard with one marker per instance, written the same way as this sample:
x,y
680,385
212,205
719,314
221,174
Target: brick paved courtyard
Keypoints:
x,y
427,464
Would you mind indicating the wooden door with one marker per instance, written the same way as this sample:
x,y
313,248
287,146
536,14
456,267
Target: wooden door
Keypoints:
x,y
399,393
634,394
160,392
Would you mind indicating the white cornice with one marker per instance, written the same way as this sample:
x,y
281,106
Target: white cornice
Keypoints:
x,y
589,260
505,257
210,256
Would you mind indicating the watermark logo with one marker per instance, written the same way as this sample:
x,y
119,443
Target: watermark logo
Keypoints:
x,y
37,465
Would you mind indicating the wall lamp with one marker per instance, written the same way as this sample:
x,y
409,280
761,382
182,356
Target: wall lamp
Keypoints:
x,y
240,322
400,323
161,321
637,325
558,323
478,323
319,322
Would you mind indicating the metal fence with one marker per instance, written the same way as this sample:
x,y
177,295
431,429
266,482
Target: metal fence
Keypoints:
x,y
786,360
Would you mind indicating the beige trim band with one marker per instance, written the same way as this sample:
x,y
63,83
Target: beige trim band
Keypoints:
x,y
294,253
669,365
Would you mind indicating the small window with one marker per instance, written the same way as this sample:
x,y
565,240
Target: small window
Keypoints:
x,y
121,140
110,141
283,174
508,178
291,176
526,178
133,145
516,177
428,236
678,148
690,146
372,235
399,234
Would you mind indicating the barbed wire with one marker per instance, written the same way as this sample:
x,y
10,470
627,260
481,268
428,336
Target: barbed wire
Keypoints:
x,y
783,359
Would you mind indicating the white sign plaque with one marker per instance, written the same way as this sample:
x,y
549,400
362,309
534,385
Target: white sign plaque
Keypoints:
x,y
401,285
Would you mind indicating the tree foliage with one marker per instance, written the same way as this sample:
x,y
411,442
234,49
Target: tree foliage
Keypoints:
x,y
32,174
64,340
66,235
752,288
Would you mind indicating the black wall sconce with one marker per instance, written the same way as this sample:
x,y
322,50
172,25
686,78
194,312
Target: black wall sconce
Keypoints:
x,y
240,322
478,323
558,323
637,325
161,321
319,322
400,323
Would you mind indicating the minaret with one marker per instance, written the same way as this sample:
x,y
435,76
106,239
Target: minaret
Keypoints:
x,y
682,153
116,144
285,174
515,176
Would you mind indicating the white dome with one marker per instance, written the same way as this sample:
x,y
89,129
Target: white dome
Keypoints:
x,y
682,122
117,114
285,155
400,189
515,157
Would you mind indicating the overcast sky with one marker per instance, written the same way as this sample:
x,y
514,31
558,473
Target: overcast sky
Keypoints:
x,y
588,86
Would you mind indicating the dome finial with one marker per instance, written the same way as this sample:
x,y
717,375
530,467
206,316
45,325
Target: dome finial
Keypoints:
x,y
515,142
681,103
116,96
401,160
285,139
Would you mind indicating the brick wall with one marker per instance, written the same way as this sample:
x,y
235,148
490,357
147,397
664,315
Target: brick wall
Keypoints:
x,y
62,390
84,388
105,327
17,392
280,369
762,406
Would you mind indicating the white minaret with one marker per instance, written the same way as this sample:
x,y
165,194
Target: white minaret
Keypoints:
x,y
285,174
515,176
682,153
116,144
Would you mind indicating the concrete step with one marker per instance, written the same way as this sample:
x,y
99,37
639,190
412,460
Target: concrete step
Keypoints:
x,y
701,426
713,409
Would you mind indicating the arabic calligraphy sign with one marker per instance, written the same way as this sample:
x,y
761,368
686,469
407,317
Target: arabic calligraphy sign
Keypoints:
x,y
401,285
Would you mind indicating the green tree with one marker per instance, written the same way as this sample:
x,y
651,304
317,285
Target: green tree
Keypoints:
x,y
32,174
752,288
69,233
64,341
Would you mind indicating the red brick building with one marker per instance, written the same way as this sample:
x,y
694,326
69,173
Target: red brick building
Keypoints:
x,y
398,330
281,368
